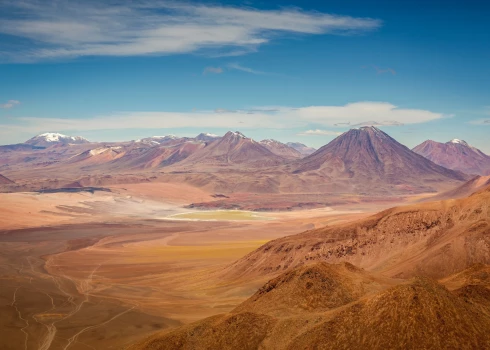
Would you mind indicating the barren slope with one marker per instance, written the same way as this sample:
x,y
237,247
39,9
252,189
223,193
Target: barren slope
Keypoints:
x,y
456,154
418,314
434,239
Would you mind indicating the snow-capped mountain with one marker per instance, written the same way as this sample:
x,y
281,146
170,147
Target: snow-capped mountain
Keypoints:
x,y
456,154
52,138
207,137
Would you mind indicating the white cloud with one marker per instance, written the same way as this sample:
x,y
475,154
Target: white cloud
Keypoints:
x,y
259,117
68,28
9,104
376,123
319,132
212,70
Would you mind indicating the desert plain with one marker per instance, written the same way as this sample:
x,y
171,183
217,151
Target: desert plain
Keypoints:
x,y
102,270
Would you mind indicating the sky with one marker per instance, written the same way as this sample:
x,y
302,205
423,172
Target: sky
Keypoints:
x,y
289,70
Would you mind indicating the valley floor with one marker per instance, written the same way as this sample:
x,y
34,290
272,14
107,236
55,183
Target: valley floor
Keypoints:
x,y
103,270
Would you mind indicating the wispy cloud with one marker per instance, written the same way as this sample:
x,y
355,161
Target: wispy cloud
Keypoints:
x,y
381,70
319,132
239,67
69,28
9,104
261,117
212,70
376,123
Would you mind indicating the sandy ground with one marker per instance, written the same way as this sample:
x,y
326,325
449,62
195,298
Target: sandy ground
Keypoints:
x,y
103,270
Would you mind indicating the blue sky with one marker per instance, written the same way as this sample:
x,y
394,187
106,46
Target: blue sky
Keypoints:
x,y
294,71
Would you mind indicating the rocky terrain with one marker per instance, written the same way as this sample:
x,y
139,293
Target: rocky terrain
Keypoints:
x,y
324,306
434,239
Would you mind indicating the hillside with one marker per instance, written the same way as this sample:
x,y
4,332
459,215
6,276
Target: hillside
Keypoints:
x,y
457,155
417,314
434,239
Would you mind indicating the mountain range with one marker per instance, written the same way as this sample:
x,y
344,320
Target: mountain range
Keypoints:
x,y
363,161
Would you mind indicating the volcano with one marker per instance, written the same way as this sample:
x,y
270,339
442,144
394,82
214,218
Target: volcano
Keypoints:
x,y
457,155
368,159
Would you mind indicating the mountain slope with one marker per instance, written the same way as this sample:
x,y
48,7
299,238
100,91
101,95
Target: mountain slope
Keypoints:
x,y
233,148
456,154
434,239
5,181
301,148
49,139
281,149
369,159
416,314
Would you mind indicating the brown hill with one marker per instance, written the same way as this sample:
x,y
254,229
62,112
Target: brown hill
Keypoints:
x,y
314,288
434,239
465,189
5,181
233,149
417,314
456,154
368,159
281,149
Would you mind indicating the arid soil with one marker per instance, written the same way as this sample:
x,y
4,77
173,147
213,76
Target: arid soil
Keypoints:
x,y
106,269
323,306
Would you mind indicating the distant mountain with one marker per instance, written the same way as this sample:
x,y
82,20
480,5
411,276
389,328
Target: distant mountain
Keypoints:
x,y
49,139
301,148
5,181
281,149
234,148
457,155
369,159
207,137
160,140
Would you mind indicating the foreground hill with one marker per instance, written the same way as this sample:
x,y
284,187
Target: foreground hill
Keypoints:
x,y
457,155
475,184
344,307
434,239
368,158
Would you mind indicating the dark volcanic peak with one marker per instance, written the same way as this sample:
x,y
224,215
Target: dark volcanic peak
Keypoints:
x,y
51,138
5,181
301,148
367,156
457,155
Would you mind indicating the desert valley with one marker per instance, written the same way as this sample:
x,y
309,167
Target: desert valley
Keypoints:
x,y
129,244
321,179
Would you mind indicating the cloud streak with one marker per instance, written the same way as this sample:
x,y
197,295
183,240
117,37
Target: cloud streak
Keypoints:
x,y
319,132
67,28
259,117
9,104
212,70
